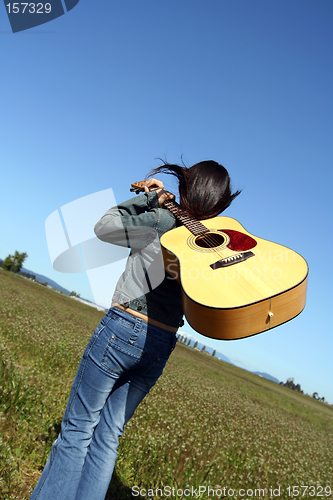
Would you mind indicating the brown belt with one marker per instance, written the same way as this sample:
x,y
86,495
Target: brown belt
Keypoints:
x,y
146,318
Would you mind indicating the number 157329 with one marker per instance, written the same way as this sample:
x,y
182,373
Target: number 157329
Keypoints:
x,y
309,491
28,8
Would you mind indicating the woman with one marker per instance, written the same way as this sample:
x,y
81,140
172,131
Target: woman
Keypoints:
x,y
130,347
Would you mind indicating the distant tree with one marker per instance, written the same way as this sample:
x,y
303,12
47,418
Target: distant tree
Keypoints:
x,y
315,395
189,342
214,352
203,349
290,383
14,262
74,294
8,263
196,344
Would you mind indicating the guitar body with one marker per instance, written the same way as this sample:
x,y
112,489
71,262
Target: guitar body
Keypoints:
x,y
234,285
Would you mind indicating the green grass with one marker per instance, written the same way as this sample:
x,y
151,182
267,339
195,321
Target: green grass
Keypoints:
x,y
205,423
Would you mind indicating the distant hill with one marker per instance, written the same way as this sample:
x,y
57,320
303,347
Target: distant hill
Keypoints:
x,y
44,279
266,375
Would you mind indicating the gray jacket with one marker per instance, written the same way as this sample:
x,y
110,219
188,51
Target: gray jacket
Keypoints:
x,y
144,286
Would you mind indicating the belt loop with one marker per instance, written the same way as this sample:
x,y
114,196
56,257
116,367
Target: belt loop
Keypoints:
x,y
138,325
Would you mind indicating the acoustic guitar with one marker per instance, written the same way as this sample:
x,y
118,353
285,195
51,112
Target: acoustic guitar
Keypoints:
x,y
234,284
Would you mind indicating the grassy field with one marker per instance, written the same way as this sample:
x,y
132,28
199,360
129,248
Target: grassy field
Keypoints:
x,y
206,423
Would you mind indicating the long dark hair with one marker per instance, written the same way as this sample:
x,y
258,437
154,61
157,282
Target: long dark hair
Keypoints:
x,y
204,188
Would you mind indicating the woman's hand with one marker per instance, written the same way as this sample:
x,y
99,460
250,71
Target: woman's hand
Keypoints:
x,y
152,184
161,193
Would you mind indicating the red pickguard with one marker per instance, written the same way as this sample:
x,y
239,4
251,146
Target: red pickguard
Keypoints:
x,y
239,242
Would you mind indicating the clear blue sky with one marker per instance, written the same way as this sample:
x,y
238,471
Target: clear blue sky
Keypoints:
x,y
91,99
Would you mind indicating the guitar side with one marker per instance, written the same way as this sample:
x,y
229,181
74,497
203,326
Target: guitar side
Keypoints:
x,y
225,297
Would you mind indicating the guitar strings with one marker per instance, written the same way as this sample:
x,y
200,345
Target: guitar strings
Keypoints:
x,y
218,252
187,219
211,239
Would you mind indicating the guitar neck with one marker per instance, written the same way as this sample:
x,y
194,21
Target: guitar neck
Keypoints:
x,y
190,222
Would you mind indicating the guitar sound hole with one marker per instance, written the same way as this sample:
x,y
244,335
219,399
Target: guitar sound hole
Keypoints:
x,y
209,240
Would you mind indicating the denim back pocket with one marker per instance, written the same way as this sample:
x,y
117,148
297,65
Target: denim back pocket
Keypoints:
x,y
122,352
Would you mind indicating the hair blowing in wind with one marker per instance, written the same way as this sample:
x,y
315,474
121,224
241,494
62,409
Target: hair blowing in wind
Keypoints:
x,y
204,188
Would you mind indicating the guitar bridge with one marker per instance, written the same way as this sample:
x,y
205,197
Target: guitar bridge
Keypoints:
x,y
233,259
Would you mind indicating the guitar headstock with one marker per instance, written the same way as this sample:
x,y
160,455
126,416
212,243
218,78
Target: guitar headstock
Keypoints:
x,y
139,186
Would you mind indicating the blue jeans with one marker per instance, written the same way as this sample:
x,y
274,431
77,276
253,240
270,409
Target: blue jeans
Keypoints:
x,y
121,363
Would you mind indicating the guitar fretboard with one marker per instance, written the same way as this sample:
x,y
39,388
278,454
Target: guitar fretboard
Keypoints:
x,y
190,222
